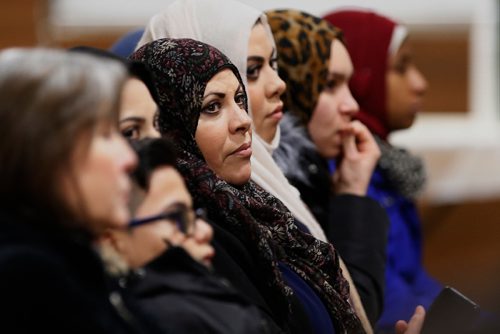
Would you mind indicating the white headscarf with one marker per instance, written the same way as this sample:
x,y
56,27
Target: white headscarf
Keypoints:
x,y
226,25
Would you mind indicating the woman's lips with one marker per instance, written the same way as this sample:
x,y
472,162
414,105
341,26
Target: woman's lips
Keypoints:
x,y
277,113
244,150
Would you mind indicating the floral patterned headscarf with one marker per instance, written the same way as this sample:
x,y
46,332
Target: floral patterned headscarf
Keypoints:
x,y
303,42
182,69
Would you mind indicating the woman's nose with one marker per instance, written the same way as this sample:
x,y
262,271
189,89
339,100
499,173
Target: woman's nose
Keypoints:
x,y
349,105
276,86
419,83
240,121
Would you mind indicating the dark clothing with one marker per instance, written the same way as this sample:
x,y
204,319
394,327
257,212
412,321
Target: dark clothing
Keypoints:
x,y
52,281
357,226
233,261
185,297
358,229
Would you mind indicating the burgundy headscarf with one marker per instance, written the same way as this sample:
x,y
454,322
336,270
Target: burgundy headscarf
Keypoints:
x,y
367,37
182,69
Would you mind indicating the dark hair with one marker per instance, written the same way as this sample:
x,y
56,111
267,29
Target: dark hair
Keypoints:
x,y
152,153
50,101
135,68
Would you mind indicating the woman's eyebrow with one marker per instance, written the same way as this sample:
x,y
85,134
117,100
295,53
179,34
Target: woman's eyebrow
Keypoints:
x,y
218,94
132,118
255,58
336,76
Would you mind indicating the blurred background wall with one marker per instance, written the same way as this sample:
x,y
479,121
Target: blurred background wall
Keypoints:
x,y
455,43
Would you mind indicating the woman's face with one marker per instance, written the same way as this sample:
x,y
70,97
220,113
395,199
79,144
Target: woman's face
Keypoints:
x,y
167,194
98,186
223,133
406,87
264,85
138,111
336,106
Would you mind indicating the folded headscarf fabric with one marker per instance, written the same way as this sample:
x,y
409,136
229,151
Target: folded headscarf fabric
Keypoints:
x,y
367,38
182,69
304,43
229,31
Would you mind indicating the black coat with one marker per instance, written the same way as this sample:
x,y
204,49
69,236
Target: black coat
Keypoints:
x,y
233,261
357,226
185,297
52,281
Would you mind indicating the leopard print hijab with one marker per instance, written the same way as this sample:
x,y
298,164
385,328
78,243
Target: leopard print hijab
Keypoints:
x,y
182,69
303,43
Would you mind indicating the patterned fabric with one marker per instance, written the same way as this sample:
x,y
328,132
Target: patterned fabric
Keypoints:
x,y
229,31
405,171
367,38
182,69
304,43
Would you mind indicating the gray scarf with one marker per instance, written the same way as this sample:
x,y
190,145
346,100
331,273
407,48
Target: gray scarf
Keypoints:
x,y
406,172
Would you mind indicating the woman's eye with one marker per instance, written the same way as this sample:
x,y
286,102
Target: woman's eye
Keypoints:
x,y
211,108
332,84
401,68
253,72
131,132
241,100
274,63
156,120
402,64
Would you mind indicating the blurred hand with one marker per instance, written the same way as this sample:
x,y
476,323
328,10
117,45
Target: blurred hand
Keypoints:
x,y
414,326
360,154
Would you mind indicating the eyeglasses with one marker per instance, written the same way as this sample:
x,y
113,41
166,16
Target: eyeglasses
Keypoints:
x,y
184,218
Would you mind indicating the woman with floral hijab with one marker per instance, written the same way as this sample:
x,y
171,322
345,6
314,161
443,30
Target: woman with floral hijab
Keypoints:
x,y
203,108
243,34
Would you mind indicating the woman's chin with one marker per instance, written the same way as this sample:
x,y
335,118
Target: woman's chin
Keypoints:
x,y
238,179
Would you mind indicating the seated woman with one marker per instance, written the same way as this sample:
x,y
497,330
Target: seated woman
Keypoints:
x,y
203,108
244,36
64,181
138,104
389,100
168,244
319,126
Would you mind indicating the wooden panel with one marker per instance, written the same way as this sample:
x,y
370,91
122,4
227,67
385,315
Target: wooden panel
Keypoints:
x,y
462,248
444,60
103,41
19,21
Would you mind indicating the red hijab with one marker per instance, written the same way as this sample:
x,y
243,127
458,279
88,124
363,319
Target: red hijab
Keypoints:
x,y
367,38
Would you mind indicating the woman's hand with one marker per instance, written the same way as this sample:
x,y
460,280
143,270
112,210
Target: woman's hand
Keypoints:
x,y
359,157
414,326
